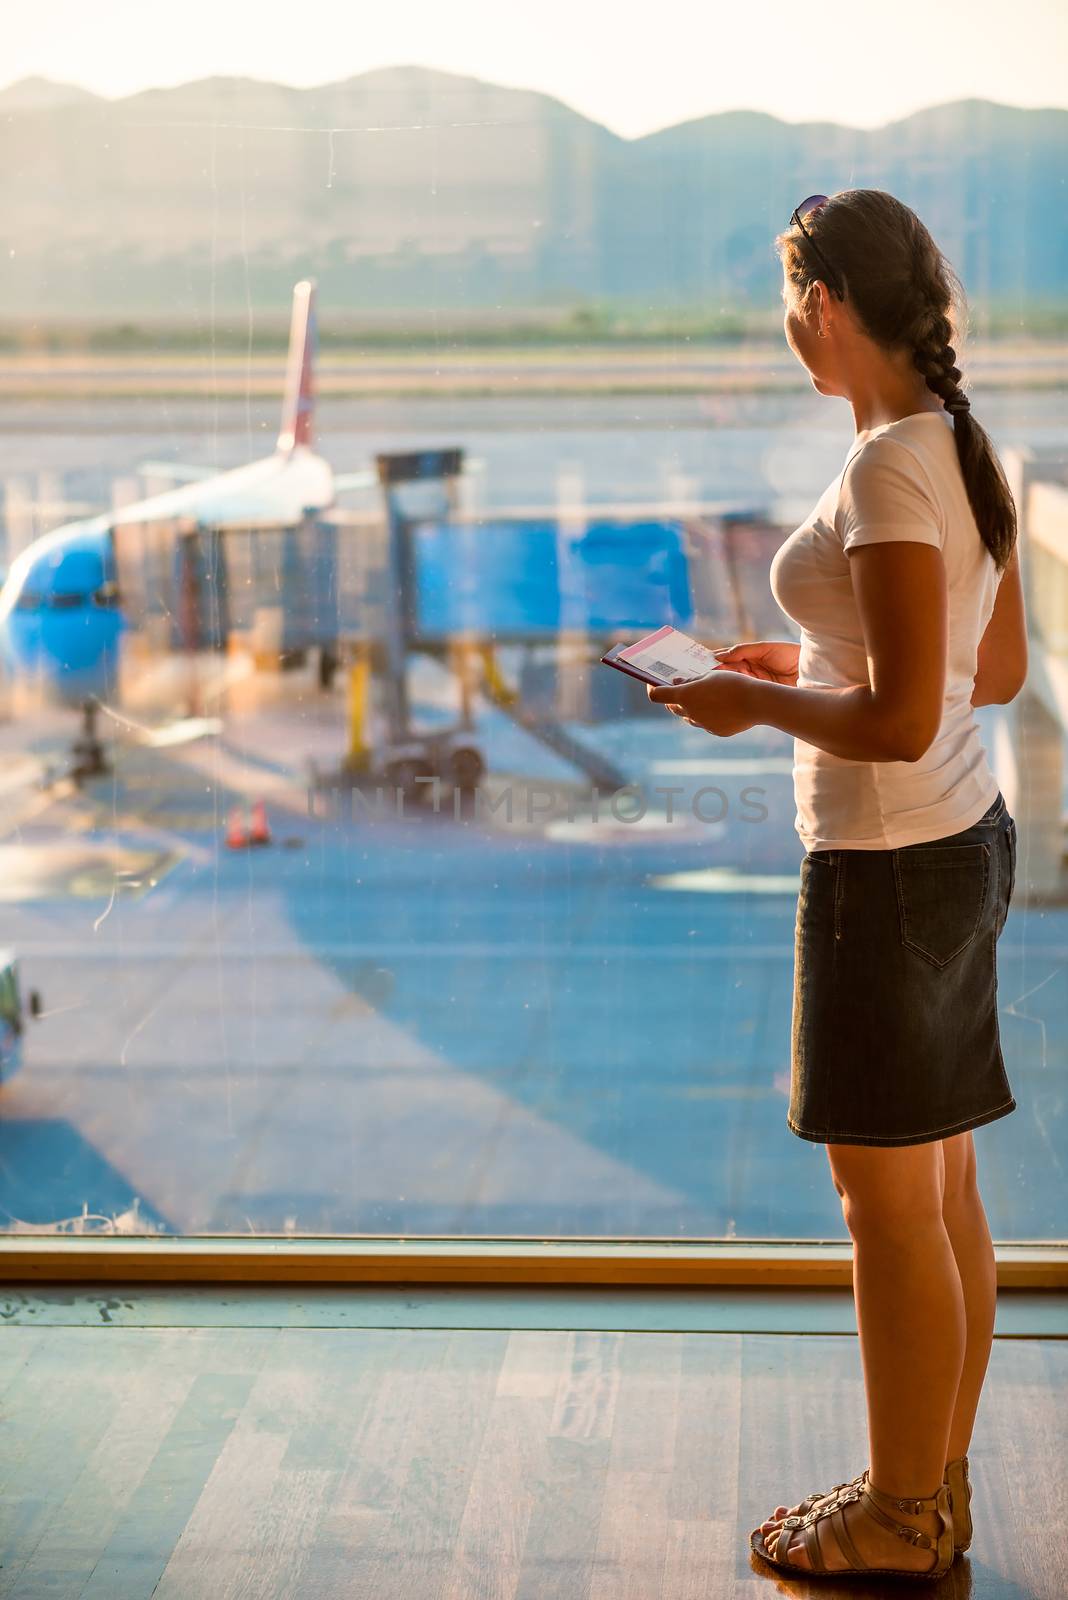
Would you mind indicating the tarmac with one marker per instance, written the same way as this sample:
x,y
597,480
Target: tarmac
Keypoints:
x,y
550,1025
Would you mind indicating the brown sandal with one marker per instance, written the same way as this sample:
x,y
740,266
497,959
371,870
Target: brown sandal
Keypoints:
x,y
960,1500
877,1505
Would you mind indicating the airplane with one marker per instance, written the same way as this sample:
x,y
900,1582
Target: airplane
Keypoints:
x,y
61,618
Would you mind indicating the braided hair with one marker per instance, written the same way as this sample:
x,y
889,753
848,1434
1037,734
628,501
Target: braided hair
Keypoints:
x,y
906,296
934,356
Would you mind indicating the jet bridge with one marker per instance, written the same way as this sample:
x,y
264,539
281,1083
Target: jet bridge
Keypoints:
x,y
423,575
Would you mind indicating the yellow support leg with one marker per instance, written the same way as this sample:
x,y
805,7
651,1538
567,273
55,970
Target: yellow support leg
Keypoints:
x,y
499,690
464,667
358,756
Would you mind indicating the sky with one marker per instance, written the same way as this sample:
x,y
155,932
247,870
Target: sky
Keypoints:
x,y
634,68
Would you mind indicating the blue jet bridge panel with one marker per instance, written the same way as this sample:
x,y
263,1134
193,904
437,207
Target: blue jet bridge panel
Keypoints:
x,y
507,579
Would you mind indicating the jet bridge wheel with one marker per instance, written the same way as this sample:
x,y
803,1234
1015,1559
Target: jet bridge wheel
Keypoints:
x,y
466,769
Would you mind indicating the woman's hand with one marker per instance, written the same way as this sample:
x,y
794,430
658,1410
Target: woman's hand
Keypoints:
x,y
720,702
774,659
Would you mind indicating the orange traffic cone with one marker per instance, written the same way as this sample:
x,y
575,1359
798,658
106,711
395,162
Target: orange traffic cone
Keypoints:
x,y
236,837
259,832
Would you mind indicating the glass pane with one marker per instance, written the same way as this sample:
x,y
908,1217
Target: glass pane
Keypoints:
x,y
344,430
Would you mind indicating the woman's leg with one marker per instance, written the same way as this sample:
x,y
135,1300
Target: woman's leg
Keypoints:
x,y
969,1235
910,1307
912,1326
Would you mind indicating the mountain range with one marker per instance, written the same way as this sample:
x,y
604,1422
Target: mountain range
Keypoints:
x,y
409,192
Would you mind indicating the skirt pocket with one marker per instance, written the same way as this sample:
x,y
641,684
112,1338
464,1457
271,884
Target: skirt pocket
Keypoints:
x,y
821,889
941,893
1012,859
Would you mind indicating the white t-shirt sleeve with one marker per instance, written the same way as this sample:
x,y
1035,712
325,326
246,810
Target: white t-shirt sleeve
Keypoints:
x,y
885,495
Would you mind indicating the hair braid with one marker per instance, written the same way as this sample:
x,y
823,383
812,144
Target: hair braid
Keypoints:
x,y
935,357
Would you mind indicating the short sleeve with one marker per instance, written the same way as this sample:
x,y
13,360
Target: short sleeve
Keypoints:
x,y
885,495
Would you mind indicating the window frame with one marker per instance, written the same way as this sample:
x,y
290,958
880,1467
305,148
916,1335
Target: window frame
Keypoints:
x,y
278,1259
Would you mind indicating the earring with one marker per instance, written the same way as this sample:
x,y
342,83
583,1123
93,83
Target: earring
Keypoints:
x,y
820,333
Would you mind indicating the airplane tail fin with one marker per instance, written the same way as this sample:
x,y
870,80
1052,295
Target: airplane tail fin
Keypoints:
x,y
298,406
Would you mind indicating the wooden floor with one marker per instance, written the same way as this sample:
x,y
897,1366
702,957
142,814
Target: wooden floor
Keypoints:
x,y
479,1463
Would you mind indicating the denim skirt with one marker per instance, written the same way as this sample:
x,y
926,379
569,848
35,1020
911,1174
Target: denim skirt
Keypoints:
x,y
894,1031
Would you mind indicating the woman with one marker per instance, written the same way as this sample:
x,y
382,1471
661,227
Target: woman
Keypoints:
x,y
905,583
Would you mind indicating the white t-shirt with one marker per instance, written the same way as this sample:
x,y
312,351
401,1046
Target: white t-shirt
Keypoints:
x,y
900,481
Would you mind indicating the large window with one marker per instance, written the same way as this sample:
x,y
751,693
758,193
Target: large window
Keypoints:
x,y
342,431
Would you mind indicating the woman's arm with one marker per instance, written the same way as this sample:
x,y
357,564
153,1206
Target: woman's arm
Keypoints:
x,y
900,591
1001,668
890,527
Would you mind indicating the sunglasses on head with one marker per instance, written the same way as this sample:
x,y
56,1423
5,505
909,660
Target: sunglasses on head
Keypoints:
x,y
805,209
